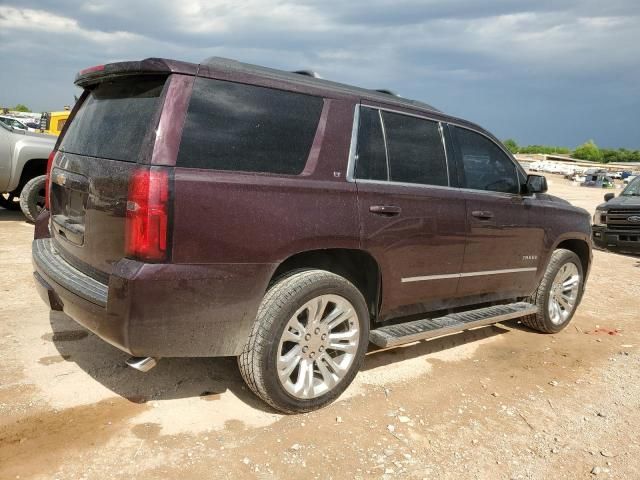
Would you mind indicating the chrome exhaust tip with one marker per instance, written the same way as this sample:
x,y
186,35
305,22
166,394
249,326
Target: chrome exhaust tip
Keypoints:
x,y
143,364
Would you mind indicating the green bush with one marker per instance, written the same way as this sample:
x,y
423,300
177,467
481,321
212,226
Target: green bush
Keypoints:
x,y
511,145
589,151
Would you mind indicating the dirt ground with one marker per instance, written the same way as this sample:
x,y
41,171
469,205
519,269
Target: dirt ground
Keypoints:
x,y
492,403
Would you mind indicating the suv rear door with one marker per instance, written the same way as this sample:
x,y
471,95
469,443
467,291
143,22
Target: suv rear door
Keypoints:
x,y
505,229
112,131
411,221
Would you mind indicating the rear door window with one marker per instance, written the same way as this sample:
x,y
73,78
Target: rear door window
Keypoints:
x,y
115,118
232,126
415,149
371,156
485,166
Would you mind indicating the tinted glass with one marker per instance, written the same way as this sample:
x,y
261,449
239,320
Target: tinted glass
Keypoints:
x,y
486,166
633,188
416,152
231,126
371,158
114,119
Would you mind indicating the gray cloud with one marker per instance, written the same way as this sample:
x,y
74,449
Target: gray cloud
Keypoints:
x,y
533,70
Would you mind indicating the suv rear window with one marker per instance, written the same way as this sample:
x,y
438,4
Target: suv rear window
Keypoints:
x,y
232,126
114,119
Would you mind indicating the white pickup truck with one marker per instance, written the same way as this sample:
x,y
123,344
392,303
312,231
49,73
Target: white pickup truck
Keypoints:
x,y
23,164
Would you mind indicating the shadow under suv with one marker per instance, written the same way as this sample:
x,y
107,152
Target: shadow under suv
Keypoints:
x,y
225,209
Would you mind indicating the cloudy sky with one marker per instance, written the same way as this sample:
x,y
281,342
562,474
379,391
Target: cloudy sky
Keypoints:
x,y
540,71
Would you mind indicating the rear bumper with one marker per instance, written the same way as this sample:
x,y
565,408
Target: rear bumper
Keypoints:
x,y
616,241
160,310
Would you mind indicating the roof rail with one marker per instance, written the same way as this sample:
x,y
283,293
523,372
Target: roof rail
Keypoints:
x,y
303,77
308,73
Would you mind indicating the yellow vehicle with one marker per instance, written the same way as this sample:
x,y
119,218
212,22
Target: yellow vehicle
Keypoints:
x,y
52,122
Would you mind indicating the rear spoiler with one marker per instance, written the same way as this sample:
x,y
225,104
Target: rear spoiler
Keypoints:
x,y
149,66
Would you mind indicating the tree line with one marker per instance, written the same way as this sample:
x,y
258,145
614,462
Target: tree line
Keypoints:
x,y
18,108
587,151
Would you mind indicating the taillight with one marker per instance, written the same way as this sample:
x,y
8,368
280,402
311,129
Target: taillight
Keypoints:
x,y
47,182
148,214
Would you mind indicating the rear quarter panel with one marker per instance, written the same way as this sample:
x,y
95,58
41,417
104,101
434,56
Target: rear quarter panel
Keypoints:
x,y
232,217
230,231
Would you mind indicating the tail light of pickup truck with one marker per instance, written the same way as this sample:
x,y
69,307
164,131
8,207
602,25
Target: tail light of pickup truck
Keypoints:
x,y
148,214
47,181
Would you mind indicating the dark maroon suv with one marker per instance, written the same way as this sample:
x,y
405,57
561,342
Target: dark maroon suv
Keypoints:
x,y
227,209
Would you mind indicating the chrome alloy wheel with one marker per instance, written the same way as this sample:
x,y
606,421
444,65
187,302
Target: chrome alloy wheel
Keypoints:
x,y
564,293
318,346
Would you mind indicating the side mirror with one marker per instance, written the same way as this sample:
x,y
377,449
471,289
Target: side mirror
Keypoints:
x,y
536,184
609,196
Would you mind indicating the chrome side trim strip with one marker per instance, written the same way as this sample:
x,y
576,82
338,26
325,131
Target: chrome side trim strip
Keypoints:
x,y
496,272
430,277
467,274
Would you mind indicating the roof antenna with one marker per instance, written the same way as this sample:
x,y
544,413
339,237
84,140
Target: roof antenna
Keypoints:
x,y
308,73
387,91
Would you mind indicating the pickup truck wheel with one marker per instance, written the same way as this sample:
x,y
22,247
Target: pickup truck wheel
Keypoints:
x,y
32,197
10,201
558,294
308,341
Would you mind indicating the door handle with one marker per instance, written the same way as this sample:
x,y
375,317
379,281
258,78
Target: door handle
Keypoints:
x,y
482,214
386,210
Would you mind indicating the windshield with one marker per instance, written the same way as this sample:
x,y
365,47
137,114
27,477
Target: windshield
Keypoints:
x,y
633,188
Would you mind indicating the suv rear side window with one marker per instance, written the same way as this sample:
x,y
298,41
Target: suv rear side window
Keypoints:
x,y
371,159
486,166
415,148
232,126
114,119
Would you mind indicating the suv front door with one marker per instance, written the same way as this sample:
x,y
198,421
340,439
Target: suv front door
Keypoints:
x,y
505,230
411,221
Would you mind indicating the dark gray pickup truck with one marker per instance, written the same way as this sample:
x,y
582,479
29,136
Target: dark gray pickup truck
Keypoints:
x,y
616,223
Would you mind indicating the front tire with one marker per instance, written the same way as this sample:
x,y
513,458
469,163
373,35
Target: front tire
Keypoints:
x,y
308,341
558,294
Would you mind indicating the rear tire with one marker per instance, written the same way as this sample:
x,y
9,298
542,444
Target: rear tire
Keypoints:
x,y
32,197
559,293
308,341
